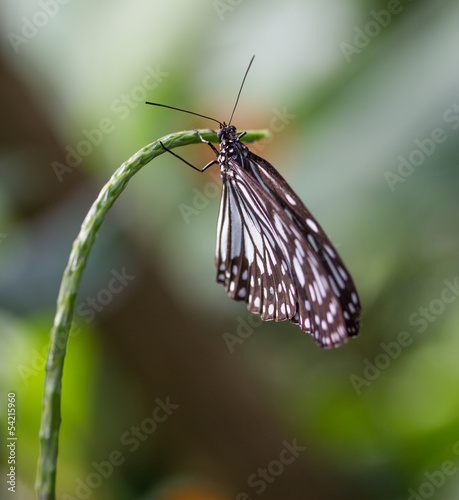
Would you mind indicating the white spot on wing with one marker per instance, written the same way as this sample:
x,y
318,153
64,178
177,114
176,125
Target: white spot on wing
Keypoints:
x,y
260,265
299,271
334,287
312,242
290,199
319,296
280,227
335,272
248,245
333,309
312,225
329,251
343,273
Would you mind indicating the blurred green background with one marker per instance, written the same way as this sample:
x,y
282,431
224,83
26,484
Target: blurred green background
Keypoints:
x,y
362,100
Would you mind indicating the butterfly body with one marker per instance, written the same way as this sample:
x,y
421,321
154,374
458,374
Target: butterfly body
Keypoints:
x,y
272,254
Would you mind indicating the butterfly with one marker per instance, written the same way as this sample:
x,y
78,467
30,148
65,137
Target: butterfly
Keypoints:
x,y
271,252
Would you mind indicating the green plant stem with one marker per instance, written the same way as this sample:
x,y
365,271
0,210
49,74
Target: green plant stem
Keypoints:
x,y
51,411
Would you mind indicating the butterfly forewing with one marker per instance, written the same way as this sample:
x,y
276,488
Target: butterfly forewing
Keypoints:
x,y
272,253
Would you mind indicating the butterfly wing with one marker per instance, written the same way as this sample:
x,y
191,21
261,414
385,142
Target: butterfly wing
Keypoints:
x,y
272,254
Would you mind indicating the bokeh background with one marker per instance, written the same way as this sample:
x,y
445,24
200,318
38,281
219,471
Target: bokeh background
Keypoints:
x,y
171,390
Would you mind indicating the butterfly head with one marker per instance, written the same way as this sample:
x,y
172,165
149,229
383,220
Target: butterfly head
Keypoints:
x,y
227,134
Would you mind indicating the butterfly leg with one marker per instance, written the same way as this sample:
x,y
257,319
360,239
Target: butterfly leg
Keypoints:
x,y
214,149
213,162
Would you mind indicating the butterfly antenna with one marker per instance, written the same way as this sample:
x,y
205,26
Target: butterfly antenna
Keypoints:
x,y
184,111
240,90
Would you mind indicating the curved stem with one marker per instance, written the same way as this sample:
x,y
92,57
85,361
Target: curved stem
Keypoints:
x,y
51,411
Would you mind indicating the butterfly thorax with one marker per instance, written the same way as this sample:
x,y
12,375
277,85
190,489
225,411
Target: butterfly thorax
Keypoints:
x,y
231,148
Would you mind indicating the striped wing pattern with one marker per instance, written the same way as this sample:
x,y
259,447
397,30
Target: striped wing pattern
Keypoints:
x,y
273,254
